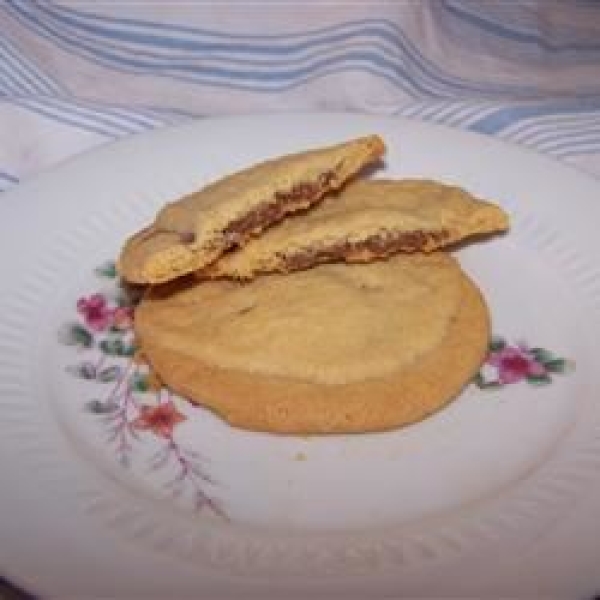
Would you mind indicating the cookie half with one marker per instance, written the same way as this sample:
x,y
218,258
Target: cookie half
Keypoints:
x,y
366,220
334,349
192,232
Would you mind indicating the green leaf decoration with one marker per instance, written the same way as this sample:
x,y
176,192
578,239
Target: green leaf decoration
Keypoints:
x,y
100,407
496,344
108,269
74,334
480,381
84,370
139,382
556,365
129,350
116,332
122,299
539,379
542,355
110,374
111,347
117,347
129,294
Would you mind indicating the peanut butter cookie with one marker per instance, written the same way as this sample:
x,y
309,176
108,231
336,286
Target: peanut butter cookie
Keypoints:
x,y
333,349
366,220
194,231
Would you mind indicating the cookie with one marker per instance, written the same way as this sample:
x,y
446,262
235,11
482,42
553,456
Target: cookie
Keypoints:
x,y
333,349
192,232
366,220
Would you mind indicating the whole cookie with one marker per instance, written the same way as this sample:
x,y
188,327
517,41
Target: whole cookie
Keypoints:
x,y
334,349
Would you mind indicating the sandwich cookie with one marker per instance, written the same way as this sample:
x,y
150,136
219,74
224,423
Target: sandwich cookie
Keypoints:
x,y
366,220
192,232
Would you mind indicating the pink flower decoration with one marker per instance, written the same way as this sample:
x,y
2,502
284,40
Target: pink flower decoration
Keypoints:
x,y
515,363
122,318
98,316
159,419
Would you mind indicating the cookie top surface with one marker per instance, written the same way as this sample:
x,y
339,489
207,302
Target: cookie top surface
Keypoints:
x,y
329,325
367,219
192,232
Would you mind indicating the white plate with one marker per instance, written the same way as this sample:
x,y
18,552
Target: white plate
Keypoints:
x,y
496,495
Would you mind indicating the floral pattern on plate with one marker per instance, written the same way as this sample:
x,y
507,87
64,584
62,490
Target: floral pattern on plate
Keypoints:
x,y
512,363
135,405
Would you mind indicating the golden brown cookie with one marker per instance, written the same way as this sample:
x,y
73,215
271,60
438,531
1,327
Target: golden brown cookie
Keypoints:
x,y
192,232
338,348
367,219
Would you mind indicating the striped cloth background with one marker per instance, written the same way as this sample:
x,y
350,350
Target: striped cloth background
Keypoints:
x,y
75,74
78,73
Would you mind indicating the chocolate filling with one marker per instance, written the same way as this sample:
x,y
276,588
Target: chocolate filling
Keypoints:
x,y
269,213
379,246
187,237
262,216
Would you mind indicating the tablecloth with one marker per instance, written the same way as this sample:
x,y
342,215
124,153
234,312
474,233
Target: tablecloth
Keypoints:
x,y
76,74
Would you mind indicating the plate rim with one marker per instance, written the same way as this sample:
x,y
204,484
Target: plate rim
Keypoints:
x,y
74,162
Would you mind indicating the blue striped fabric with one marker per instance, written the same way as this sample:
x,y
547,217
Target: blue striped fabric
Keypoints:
x,y
21,74
7,180
527,27
74,75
